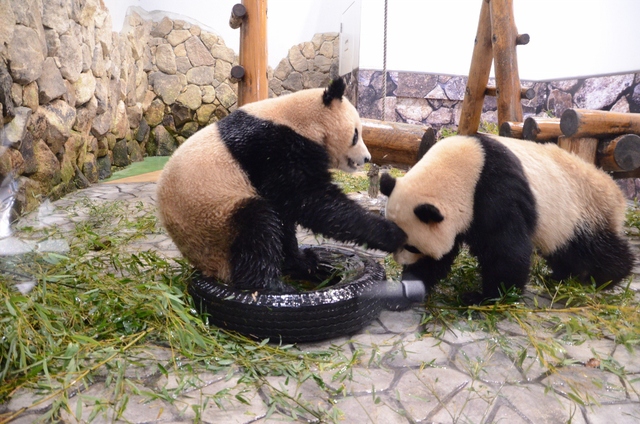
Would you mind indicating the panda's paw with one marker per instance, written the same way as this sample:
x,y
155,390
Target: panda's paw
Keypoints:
x,y
305,265
394,238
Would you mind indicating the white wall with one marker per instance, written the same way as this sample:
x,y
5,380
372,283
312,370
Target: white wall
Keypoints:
x,y
569,38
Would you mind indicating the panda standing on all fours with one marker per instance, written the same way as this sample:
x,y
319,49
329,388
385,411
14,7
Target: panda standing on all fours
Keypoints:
x,y
503,197
231,196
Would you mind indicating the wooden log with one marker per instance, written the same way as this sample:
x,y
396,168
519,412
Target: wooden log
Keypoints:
x,y
522,39
525,93
481,60
594,123
253,53
584,147
541,129
238,12
511,129
626,174
619,154
396,143
505,61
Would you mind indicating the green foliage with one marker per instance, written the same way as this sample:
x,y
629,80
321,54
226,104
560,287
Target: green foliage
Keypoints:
x,y
95,305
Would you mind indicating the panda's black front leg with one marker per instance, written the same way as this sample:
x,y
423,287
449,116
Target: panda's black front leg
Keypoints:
x,y
328,211
298,264
430,270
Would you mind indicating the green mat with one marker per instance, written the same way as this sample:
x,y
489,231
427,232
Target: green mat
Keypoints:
x,y
149,164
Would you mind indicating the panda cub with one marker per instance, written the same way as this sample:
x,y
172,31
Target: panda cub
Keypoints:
x,y
504,197
232,195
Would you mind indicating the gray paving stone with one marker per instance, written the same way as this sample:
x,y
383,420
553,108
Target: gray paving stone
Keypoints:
x,y
370,409
361,381
540,406
591,385
426,352
421,392
484,360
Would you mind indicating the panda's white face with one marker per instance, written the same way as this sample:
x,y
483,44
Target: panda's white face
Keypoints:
x,y
345,143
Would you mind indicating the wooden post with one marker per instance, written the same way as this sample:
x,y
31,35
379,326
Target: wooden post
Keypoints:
x,y
541,129
589,123
374,180
253,53
584,148
505,61
396,143
478,75
620,154
511,129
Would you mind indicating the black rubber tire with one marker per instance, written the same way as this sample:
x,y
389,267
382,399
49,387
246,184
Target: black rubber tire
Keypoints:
x,y
340,309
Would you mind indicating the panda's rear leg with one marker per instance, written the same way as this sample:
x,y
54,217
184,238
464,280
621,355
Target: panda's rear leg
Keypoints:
x,y
603,256
256,254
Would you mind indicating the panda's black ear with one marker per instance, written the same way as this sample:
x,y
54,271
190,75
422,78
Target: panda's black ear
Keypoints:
x,y
387,184
334,91
428,213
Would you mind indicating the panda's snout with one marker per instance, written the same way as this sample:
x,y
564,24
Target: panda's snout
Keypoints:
x,y
367,159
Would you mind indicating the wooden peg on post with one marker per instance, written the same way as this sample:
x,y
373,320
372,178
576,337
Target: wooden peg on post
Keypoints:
x,y
252,18
238,12
478,75
511,129
505,61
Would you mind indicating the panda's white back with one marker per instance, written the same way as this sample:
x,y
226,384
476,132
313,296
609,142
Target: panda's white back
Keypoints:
x,y
569,192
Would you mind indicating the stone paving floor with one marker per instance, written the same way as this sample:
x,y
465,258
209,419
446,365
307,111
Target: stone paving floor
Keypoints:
x,y
404,377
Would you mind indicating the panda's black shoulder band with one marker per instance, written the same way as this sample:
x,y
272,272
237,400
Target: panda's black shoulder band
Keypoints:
x,y
334,91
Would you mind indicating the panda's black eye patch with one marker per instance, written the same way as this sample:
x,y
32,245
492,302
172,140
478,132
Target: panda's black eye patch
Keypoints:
x,y
412,249
355,138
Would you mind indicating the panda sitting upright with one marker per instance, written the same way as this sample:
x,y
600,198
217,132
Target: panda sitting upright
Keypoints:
x,y
231,196
503,197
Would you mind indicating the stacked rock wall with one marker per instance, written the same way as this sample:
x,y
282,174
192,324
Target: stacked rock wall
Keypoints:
x,y
435,100
78,99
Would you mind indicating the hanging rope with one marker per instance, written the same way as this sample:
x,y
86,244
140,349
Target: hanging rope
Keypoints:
x,y
384,66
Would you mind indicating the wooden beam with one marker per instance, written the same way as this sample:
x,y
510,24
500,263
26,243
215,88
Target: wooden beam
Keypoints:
x,y
505,61
525,93
619,154
253,53
585,147
478,75
511,129
593,123
396,143
541,129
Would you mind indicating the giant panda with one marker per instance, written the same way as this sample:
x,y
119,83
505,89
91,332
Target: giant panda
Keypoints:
x,y
231,195
504,197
